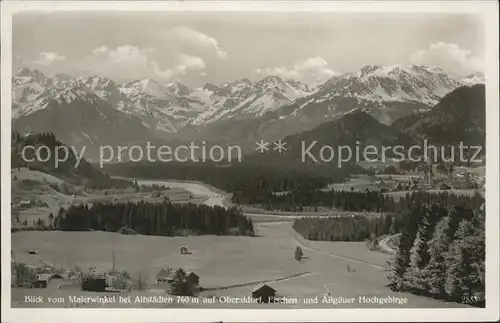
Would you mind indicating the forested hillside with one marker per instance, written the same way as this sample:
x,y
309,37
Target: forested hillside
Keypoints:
x,y
75,171
164,219
458,117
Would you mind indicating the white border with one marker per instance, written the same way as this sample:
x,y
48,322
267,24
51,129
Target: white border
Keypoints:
x,y
488,9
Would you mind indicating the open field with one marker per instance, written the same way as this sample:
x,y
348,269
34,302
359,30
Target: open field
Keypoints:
x,y
231,259
358,183
223,261
344,269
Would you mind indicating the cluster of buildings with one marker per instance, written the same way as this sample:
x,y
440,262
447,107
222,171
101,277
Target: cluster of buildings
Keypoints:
x,y
430,181
165,276
48,277
98,282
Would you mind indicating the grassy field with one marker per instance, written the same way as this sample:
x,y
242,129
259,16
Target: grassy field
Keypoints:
x,y
358,183
223,261
345,269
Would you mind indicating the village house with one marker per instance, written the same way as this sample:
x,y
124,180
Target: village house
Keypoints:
x,y
164,276
42,280
264,292
25,203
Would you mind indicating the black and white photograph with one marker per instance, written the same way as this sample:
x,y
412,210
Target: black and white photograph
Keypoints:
x,y
202,157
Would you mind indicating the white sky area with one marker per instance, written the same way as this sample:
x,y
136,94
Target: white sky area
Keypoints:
x,y
199,47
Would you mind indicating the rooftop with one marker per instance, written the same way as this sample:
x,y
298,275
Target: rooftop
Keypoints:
x,y
260,286
164,273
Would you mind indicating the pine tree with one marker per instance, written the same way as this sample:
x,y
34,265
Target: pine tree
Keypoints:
x,y
180,285
401,262
465,275
436,268
416,277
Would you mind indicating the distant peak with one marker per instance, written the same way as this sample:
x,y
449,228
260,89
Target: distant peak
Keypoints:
x,y
210,86
148,81
245,80
76,85
26,71
434,69
178,88
273,78
370,69
396,70
61,76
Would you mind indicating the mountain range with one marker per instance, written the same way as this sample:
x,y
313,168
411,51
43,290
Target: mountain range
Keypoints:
x,y
96,110
458,117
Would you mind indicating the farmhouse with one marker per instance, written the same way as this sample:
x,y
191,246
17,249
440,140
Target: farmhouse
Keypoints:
x,y
164,276
263,292
25,203
193,279
42,280
94,284
184,250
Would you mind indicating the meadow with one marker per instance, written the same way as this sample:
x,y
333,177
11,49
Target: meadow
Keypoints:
x,y
227,265
341,268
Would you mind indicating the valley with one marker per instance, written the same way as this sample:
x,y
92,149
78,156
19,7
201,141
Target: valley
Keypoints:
x,y
220,261
190,161
305,229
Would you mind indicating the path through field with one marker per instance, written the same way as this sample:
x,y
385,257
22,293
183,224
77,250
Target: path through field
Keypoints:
x,y
229,265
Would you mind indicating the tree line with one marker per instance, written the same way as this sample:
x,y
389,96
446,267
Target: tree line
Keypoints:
x,y
164,219
393,220
370,201
441,253
343,228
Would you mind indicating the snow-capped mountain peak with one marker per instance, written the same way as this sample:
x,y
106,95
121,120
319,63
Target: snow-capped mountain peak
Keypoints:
x,y
378,83
386,92
60,96
34,74
145,86
474,78
177,88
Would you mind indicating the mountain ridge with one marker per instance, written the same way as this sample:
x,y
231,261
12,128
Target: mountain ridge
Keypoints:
x,y
240,111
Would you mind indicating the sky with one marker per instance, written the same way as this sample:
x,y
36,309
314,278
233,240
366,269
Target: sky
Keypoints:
x,y
199,47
